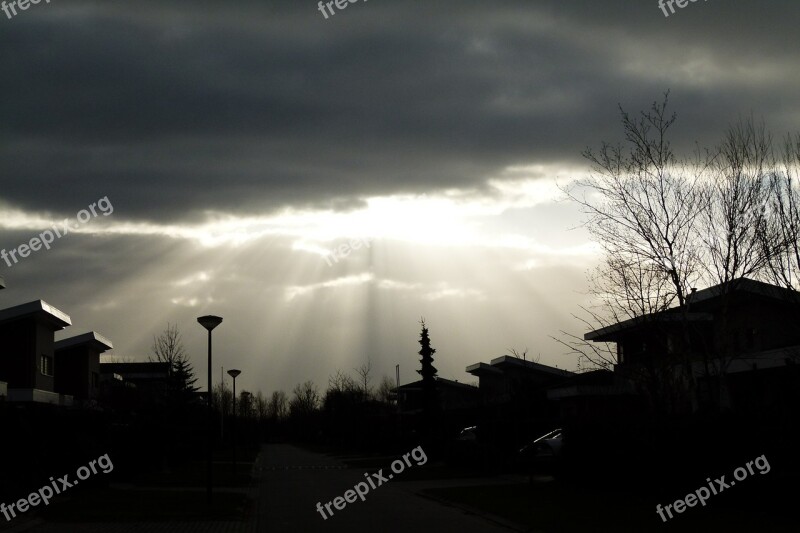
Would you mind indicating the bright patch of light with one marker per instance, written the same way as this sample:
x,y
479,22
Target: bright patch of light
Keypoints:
x,y
294,291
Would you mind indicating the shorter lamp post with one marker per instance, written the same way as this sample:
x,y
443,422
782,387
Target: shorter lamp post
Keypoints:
x,y
234,373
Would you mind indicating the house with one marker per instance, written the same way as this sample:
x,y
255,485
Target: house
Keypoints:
x,y
508,378
718,340
150,380
451,395
596,395
27,352
514,405
77,365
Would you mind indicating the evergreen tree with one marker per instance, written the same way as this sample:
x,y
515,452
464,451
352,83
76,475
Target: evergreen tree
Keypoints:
x,y
183,380
428,371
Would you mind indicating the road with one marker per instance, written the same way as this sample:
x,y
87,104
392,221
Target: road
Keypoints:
x,y
294,480
290,482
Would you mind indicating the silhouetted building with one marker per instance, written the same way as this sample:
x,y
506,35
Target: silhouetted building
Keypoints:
x,y
507,378
451,396
732,330
594,396
77,365
149,379
27,352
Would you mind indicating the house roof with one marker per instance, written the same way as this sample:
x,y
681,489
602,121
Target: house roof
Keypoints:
x,y
498,365
609,333
93,339
741,285
38,309
136,370
745,285
447,382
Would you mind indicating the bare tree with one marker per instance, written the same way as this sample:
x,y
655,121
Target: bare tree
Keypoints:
x,y
514,353
364,374
305,399
341,382
781,238
168,347
734,215
260,406
222,400
278,405
386,392
524,355
641,205
666,224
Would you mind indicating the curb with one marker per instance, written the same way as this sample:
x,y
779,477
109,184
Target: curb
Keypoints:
x,y
502,522
24,526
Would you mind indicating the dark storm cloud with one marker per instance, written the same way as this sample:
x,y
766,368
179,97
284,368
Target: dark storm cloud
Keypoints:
x,y
174,108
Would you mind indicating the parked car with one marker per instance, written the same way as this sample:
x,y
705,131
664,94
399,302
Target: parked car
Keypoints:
x,y
543,454
469,434
466,448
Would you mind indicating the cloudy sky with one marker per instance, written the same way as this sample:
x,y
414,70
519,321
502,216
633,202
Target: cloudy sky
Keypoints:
x,y
241,142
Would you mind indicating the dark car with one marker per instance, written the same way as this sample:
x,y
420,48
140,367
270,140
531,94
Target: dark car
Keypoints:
x,y
543,454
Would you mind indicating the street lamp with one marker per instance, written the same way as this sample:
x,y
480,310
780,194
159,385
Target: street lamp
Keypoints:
x,y
209,322
234,373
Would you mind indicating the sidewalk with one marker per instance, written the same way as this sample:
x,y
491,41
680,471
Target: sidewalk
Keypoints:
x,y
249,525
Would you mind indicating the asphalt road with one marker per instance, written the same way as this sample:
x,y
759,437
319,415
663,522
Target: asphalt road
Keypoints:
x,y
294,480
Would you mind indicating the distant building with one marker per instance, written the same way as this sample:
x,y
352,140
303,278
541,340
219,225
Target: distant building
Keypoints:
x,y
77,365
27,363
149,379
451,396
506,378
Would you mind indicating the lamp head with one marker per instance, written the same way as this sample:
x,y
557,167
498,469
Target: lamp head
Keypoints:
x,y
209,321
233,373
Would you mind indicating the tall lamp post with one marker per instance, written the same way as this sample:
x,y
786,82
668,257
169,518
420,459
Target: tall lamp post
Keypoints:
x,y
234,373
209,322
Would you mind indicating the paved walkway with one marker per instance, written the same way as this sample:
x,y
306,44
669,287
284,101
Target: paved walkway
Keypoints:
x,y
289,483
